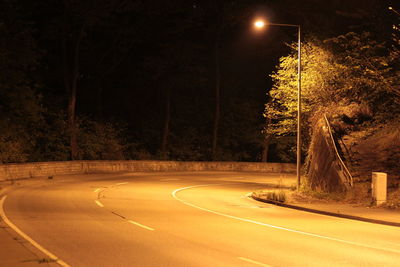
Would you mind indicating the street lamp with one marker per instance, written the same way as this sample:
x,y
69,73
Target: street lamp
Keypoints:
x,y
261,24
394,10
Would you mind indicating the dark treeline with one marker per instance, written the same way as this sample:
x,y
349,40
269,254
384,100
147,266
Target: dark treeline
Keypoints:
x,y
119,79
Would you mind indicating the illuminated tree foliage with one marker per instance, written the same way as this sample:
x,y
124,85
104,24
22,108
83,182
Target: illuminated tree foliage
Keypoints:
x,y
351,68
317,69
395,54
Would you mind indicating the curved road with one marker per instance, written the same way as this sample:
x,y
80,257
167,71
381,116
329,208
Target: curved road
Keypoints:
x,y
187,219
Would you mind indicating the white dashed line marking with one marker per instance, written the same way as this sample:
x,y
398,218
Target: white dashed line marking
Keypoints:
x,y
99,203
254,262
141,225
122,183
97,190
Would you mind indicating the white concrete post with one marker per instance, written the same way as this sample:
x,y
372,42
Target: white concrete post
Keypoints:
x,y
379,187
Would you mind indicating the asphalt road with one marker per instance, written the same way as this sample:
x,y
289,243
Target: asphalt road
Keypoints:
x,y
188,219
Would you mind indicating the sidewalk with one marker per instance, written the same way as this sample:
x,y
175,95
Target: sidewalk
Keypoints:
x,y
343,210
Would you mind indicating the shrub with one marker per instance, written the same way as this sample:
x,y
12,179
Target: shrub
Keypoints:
x,y
100,141
276,196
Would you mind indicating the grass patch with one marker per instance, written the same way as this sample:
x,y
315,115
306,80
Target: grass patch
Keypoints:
x,y
273,195
307,191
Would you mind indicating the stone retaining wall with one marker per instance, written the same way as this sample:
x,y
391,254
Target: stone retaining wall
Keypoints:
x,y
38,169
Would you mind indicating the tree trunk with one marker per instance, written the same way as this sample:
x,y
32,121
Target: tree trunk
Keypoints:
x,y
167,121
72,123
267,140
71,49
217,109
264,154
99,103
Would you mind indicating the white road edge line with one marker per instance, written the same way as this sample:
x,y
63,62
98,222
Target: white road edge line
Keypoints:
x,y
270,225
99,203
26,237
121,183
254,262
97,190
141,225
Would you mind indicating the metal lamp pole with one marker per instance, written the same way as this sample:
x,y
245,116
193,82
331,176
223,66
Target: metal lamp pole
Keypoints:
x,y
394,10
261,24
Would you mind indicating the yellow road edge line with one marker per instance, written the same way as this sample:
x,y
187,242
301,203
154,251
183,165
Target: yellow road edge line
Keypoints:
x,y
27,238
254,262
174,195
141,225
99,203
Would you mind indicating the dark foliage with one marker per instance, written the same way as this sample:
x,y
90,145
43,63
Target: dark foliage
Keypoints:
x,y
74,71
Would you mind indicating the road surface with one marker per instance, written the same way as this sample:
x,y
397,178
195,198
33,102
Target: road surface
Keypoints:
x,y
187,219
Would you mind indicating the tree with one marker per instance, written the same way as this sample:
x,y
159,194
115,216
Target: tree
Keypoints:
x,y
367,72
350,68
395,52
20,105
319,72
217,17
79,19
171,66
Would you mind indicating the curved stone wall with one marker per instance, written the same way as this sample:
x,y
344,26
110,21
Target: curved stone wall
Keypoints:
x,y
38,169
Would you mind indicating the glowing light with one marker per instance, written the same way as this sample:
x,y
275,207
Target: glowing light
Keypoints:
x,y
259,24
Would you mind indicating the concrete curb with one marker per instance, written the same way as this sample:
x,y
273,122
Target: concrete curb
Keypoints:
x,y
328,213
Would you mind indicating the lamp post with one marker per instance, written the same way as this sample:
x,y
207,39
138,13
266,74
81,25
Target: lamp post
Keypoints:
x,y
394,10
261,24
